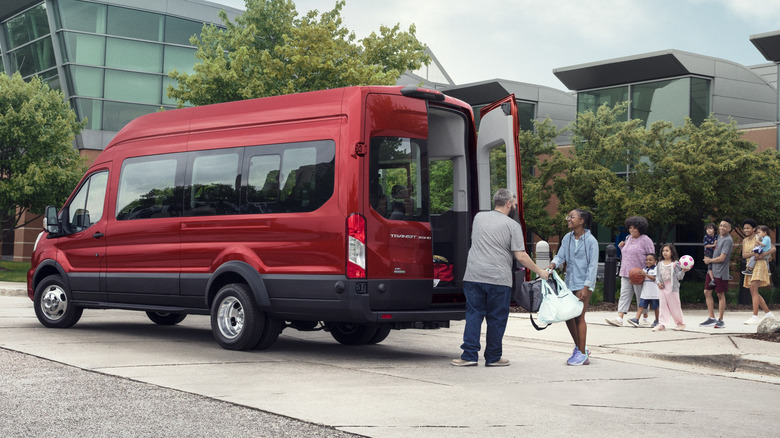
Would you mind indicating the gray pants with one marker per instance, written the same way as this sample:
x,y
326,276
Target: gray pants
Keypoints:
x,y
627,291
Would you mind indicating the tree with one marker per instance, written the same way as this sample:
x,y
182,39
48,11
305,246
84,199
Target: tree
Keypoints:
x,y
671,175
538,175
38,164
269,51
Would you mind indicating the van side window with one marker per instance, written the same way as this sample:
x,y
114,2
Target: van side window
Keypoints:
x,y
296,177
213,183
86,208
147,188
398,181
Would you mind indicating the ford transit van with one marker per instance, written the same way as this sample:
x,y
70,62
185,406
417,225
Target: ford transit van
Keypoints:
x,y
313,211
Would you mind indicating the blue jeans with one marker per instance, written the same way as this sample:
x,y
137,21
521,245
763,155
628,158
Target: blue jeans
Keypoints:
x,y
491,303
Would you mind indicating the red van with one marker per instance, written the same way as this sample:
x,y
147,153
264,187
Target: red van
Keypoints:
x,y
321,210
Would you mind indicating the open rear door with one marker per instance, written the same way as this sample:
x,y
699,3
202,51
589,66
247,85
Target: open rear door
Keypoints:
x,y
498,130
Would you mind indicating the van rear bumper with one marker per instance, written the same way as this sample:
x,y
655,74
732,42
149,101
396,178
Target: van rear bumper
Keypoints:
x,y
400,303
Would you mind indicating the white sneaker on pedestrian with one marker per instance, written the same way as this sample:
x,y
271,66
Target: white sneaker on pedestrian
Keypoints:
x,y
753,320
768,315
617,322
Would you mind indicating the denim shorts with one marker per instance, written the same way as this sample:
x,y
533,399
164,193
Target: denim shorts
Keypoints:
x,y
649,304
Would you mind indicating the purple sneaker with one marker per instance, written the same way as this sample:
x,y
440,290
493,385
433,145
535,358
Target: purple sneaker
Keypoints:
x,y
578,358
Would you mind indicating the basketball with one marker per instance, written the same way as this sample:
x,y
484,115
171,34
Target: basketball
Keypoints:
x,y
636,276
686,262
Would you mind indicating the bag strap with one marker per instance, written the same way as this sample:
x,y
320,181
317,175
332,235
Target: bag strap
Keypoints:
x,y
536,326
542,285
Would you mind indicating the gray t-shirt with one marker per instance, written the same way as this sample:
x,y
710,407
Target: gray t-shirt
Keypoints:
x,y
494,238
724,246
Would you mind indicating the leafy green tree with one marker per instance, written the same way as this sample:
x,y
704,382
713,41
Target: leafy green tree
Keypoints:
x,y
38,164
671,175
538,173
270,51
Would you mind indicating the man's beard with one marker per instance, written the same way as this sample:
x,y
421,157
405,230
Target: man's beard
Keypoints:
x,y
513,212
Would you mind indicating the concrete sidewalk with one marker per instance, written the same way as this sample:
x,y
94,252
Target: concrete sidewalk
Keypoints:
x,y
721,351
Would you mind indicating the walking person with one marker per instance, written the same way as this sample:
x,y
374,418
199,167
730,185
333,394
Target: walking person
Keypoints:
x,y
580,251
496,237
758,276
668,277
634,249
720,274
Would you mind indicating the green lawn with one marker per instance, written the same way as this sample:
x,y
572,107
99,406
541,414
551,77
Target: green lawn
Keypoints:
x,y
14,271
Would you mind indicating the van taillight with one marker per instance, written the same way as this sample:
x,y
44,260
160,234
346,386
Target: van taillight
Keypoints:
x,y
356,246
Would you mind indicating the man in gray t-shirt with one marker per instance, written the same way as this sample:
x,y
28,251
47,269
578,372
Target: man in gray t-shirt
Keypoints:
x,y
721,256
487,282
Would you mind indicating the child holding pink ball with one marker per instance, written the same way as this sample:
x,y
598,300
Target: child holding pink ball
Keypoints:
x,y
668,276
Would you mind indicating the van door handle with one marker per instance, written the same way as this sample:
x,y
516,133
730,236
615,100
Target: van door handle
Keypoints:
x,y
97,235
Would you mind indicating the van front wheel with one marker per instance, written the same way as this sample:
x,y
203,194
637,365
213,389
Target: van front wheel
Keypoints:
x,y
236,322
53,305
352,334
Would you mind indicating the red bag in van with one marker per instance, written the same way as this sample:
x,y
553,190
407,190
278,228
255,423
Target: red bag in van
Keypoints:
x,y
442,269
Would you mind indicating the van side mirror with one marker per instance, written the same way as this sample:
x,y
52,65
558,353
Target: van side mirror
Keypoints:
x,y
50,223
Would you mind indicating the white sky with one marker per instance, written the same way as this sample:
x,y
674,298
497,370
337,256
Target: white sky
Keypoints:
x,y
524,40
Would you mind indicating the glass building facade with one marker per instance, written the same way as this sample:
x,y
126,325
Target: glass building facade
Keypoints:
x,y
111,58
669,100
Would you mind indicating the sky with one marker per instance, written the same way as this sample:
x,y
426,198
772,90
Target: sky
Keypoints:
x,y
525,40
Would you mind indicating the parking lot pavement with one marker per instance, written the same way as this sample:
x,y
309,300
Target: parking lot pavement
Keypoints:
x,y
406,387
39,397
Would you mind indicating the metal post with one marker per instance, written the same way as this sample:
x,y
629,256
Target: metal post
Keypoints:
x,y
610,273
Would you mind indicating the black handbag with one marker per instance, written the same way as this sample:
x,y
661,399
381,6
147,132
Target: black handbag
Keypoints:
x,y
528,295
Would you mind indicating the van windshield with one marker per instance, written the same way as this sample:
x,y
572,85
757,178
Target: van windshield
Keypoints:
x,y
399,178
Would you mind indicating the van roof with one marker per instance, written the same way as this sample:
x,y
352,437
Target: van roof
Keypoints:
x,y
275,109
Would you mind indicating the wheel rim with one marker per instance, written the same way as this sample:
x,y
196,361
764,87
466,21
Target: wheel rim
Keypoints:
x,y
230,317
54,303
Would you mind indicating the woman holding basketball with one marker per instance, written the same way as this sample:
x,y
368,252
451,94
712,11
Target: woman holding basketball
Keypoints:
x,y
634,249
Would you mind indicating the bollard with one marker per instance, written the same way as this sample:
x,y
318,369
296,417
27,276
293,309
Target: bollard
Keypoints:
x,y
542,254
610,273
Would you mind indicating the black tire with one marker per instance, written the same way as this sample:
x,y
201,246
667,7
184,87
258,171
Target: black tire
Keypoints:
x,y
165,318
271,330
352,334
236,322
380,335
53,305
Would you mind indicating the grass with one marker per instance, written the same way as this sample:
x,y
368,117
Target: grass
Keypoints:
x,y
14,271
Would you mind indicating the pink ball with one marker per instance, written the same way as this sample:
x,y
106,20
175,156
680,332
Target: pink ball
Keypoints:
x,y
686,262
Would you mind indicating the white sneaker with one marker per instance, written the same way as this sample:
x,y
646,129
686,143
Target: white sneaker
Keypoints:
x,y
645,321
753,320
617,322
768,315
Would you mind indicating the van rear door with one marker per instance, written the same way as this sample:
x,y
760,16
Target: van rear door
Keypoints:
x,y
396,203
498,149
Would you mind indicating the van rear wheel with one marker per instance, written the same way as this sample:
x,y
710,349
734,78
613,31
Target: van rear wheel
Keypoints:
x,y
352,334
380,335
165,318
236,322
53,305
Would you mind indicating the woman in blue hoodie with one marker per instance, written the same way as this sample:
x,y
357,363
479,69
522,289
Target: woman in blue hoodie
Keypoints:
x,y
580,251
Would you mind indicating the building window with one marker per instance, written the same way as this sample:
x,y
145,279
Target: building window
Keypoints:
x,y
592,99
27,27
133,87
134,55
136,24
83,16
670,100
84,49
